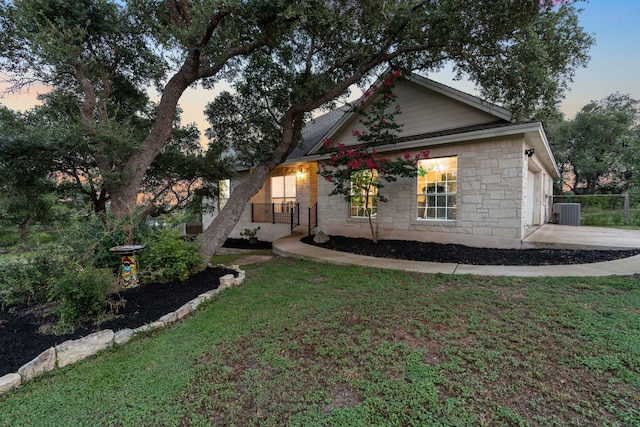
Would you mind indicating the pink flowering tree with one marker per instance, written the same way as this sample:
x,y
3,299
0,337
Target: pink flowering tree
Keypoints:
x,y
358,171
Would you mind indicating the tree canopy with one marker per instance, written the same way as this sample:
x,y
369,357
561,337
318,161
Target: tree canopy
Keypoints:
x,y
286,58
599,150
26,184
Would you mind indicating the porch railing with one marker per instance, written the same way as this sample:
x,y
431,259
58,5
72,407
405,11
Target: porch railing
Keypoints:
x,y
313,218
276,213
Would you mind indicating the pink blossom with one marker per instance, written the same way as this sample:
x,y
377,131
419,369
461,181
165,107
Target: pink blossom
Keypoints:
x,y
370,164
422,155
355,164
407,155
326,142
397,72
367,94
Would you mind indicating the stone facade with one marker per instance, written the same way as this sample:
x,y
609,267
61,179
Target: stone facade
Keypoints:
x,y
490,203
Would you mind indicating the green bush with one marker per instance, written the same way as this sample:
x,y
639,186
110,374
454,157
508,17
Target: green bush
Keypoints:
x,y
28,279
82,293
167,257
91,240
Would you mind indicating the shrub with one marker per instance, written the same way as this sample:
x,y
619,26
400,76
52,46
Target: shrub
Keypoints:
x,y
91,240
81,293
167,257
28,279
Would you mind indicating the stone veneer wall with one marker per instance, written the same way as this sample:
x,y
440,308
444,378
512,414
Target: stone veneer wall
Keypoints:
x,y
75,350
490,200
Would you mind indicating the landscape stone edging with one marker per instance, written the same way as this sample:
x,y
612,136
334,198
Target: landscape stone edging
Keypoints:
x,y
72,351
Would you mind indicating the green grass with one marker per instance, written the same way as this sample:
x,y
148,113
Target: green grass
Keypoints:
x,y
308,344
595,217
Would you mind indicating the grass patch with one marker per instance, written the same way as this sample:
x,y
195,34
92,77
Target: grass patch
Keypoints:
x,y
228,259
308,344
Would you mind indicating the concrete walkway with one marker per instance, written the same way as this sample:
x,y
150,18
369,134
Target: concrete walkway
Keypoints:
x,y
546,236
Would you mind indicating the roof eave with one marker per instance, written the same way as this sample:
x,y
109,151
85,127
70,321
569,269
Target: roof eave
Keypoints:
x,y
533,132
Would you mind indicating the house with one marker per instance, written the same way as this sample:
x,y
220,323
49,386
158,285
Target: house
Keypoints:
x,y
489,180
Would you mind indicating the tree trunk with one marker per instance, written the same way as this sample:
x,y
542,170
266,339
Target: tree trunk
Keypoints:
x,y
24,230
124,196
218,231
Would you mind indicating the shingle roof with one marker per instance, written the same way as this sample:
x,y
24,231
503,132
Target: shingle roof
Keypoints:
x,y
315,130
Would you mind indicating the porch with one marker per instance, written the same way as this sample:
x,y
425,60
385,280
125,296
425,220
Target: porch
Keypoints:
x,y
285,213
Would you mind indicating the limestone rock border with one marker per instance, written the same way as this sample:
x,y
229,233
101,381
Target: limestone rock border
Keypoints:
x,y
72,351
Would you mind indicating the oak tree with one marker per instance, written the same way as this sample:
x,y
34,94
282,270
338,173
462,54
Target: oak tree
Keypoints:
x,y
285,58
599,149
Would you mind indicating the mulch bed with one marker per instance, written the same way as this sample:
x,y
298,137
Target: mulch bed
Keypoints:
x,y
25,332
459,254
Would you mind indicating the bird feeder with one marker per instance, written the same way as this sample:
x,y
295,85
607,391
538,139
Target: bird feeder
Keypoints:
x,y
129,266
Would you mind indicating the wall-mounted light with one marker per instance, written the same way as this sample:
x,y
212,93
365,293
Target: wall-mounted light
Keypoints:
x,y
529,152
300,174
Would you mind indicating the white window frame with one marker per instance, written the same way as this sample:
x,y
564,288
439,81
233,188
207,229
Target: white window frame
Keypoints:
x,y
284,192
357,210
437,189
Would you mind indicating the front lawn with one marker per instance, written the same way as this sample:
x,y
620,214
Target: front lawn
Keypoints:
x,y
302,343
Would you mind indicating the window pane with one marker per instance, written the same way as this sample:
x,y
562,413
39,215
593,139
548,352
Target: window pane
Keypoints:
x,y
436,188
277,187
363,193
224,187
290,186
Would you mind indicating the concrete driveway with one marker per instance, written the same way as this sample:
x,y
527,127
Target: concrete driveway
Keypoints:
x,y
553,236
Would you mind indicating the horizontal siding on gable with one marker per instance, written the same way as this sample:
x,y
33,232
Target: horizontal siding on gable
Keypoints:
x,y
424,111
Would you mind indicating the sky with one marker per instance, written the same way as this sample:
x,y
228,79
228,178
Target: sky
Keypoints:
x,y
614,65
615,58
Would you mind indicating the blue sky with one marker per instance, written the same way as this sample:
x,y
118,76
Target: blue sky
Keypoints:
x,y
614,64
615,58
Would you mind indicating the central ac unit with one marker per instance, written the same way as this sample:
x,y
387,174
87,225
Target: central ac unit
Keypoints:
x,y
566,213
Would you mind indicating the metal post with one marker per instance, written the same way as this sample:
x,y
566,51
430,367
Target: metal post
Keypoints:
x,y
626,206
273,213
252,217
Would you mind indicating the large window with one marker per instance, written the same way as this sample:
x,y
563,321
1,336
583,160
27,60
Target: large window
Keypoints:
x,y
437,188
224,192
364,193
283,192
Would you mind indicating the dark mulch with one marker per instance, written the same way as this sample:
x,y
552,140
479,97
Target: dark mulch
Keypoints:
x,y
245,244
25,332
435,252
